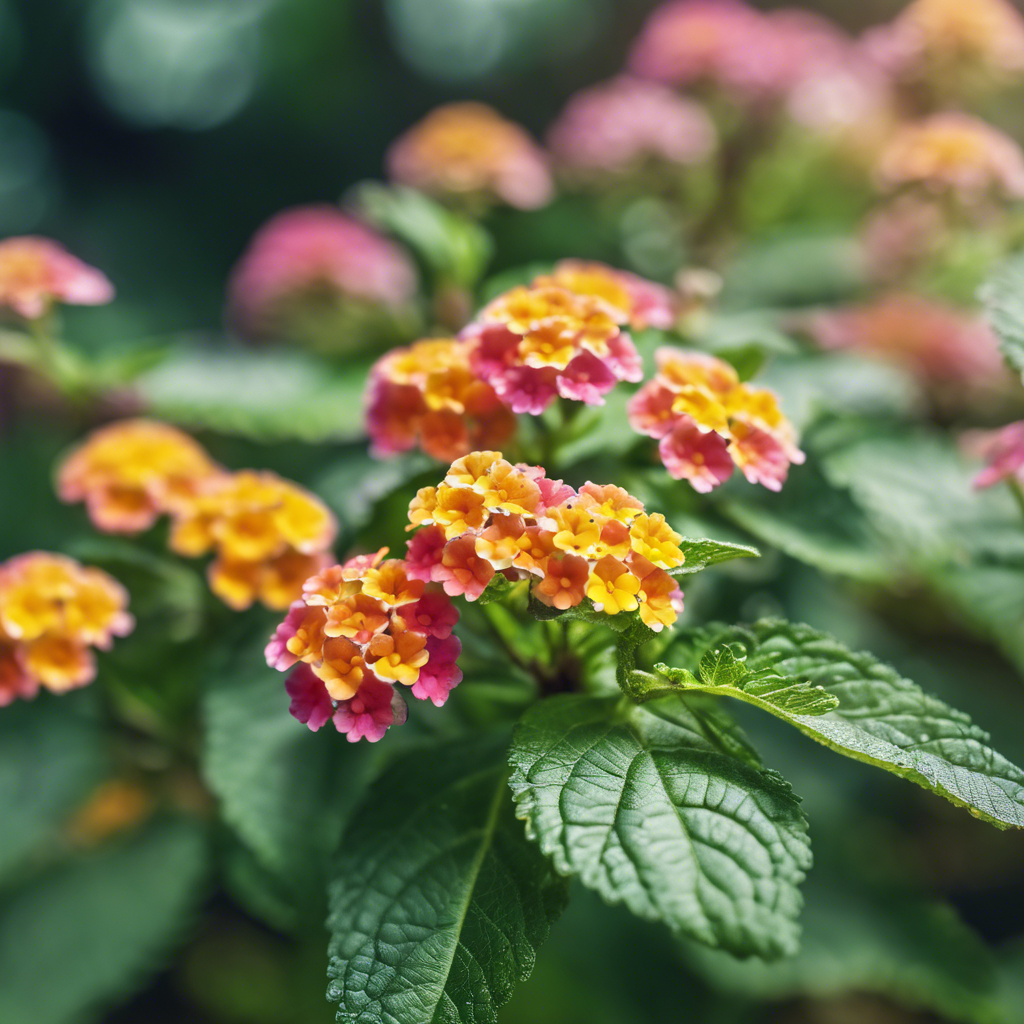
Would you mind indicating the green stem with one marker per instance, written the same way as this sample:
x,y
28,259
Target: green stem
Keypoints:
x,y
1017,490
54,360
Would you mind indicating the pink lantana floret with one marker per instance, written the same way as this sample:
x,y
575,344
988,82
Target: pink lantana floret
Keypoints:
x,y
702,457
441,674
760,456
433,614
1003,450
368,714
424,554
311,703
277,654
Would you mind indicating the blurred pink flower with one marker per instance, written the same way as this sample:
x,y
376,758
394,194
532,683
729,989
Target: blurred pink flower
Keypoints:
x,y
617,125
730,44
35,272
469,149
953,151
309,250
901,234
1002,449
760,456
938,343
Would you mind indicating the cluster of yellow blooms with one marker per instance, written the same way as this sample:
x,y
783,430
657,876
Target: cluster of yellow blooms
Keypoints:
x,y
268,535
488,516
52,612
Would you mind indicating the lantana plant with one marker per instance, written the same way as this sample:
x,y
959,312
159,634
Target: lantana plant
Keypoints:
x,y
432,596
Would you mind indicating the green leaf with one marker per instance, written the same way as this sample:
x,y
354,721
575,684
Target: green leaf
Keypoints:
x,y
51,755
268,395
356,483
724,670
439,902
918,493
454,247
648,811
881,719
91,929
794,270
863,938
279,785
990,598
813,387
701,552
1003,297
815,524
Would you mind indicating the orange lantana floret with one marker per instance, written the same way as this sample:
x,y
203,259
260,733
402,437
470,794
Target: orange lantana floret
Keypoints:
x,y
612,587
459,509
389,584
397,657
654,539
565,582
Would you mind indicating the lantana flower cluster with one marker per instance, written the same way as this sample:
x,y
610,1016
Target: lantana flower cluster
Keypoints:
x,y
427,394
951,42
956,153
361,631
707,421
37,272
470,151
268,534
549,339
488,516
316,260
53,611
562,335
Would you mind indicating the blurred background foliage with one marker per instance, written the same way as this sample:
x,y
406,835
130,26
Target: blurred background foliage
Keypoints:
x,y
152,137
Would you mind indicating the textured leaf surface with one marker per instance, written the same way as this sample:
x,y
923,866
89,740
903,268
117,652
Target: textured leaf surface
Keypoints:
x,y
87,931
279,785
882,718
260,394
1004,303
648,811
50,757
440,902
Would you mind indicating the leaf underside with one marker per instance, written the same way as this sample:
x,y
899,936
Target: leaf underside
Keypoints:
x,y
647,811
